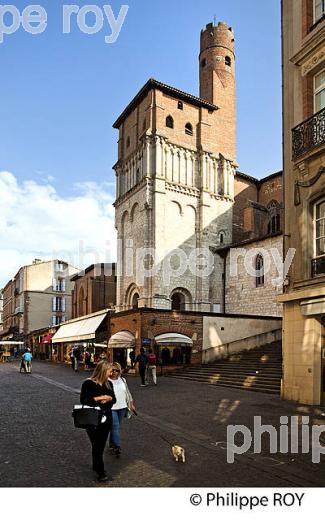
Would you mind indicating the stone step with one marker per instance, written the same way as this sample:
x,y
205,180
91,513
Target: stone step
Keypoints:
x,y
229,373
263,389
258,370
216,378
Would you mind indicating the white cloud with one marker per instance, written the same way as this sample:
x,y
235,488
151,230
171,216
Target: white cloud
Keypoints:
x,y
36,222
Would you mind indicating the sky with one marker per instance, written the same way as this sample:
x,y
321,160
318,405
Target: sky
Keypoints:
x,y
61,93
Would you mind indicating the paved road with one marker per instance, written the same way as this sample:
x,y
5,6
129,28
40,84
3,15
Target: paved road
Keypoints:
x,y
40,447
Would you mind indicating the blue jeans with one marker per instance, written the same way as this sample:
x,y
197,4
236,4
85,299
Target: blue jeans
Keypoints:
x,y
117,418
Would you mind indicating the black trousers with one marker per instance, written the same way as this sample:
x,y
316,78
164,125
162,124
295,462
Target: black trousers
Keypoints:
x,y
98,438
142,372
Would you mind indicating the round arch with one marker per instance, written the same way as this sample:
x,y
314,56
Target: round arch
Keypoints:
x,y
181,299
132,296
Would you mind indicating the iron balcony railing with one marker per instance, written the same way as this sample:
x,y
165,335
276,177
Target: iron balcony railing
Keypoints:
x,y
309,134
318,266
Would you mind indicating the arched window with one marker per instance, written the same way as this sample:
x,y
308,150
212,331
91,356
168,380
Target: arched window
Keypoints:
x,y
259,268
188,129
228,61
221,238
178,302
180,105
274,224
203,63
135,301
181,299
169,122
128,142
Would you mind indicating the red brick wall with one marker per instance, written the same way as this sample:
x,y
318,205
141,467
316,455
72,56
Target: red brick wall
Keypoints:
x,y
307,16
245,191
308,95
99,292
271,189
141,323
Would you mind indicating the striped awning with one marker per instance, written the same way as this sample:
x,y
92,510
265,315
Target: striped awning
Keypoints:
x,y
80,329
123,339
172,338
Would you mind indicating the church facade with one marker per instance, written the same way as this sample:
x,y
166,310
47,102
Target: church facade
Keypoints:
x,y
182,207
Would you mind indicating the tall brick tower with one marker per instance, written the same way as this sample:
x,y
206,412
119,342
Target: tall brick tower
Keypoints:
x,y
218,83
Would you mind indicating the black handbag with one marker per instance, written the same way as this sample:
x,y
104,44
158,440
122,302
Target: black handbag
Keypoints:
x,y
86,416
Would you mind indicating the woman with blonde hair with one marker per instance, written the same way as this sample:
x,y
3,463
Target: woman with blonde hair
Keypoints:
x,y
98,391
122,408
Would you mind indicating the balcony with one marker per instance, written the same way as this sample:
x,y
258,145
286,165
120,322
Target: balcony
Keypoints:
x,y
318,266
308,135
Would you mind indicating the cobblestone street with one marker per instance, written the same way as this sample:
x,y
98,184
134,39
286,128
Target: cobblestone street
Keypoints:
x,y
41,447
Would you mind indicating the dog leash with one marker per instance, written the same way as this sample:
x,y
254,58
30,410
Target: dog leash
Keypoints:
x,y
152,426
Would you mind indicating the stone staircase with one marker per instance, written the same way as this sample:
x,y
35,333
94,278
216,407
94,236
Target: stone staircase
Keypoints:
x,y
257,370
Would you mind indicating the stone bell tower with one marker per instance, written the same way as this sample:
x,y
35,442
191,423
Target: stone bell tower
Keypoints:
x,y
218,83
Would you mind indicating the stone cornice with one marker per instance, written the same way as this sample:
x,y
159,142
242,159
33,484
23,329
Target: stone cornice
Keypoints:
x,y
309,47
313,62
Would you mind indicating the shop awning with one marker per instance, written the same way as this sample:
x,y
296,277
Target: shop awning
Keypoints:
x,y
11,343
123,339
172,338
80,329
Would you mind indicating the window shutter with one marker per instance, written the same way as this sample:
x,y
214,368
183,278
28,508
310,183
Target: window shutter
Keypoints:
x,y
54,284
54,304
63,304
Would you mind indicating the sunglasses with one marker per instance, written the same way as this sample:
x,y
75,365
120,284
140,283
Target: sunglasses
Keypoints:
x,y
115,370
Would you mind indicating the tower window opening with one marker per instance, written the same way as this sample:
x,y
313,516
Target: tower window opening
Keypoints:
x,y
203,63
178,302
259,267
128,142
180,105
228,61
188,129
169,122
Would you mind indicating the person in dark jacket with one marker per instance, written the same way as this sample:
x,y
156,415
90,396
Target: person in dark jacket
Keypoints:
x,y
98,391
142,360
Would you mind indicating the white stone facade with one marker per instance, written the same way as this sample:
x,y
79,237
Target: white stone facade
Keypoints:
x,y
170,198
243,295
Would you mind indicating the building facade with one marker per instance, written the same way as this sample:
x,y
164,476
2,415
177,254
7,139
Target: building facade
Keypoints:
x,y
304,179
94,290
39,296
179,193
175,180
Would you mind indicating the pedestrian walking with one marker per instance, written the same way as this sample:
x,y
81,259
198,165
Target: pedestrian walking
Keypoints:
x,y
152,367
27,358
122,408
87,359
98,391
132,357
76,358
142,361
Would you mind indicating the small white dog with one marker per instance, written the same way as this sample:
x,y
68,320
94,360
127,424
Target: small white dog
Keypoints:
x,y
178,453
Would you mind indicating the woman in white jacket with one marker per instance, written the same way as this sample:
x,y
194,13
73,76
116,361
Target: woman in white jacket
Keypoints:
x,y
122,408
